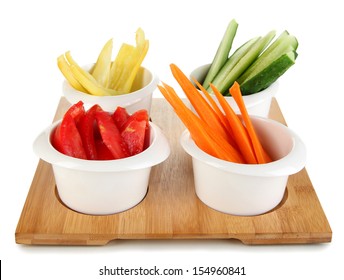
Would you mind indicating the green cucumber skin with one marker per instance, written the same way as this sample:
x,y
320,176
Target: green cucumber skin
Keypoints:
x,y
233,60
248,58
283,44
222,52
269,74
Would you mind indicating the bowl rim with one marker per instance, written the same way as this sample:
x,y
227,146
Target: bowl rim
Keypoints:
x,y
251,99
43,148
292,163
126,99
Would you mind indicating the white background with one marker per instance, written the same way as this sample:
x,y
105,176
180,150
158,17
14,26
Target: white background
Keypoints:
x,y
34,33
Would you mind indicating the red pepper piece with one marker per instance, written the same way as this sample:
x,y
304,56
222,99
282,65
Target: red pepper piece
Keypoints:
x,y
111,135
76,111
66,138
86,128
71,143
56,138
134,136
120,116
102,151
141,115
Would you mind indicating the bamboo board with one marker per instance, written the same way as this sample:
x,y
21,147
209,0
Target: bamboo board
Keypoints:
x,y
171,209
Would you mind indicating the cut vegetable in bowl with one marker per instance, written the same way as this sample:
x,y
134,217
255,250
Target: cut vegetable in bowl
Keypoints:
x,y
220,133
107,77
98,135
255,65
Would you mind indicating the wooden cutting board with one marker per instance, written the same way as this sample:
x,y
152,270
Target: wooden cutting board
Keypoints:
x,y
171,209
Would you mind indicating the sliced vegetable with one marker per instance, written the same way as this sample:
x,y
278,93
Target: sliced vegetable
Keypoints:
x,y
87,80
69,139
101,70
218,111
261,155
272,64
283,44
255,65
111,135
134,136
120,116
240,134
222,83
67,73
246,147
202,107
263,79
99,135
202,133
127,63
139,116
107,77
222,53
103,152
86,128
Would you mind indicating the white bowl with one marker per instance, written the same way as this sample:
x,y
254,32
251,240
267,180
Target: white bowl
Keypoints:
x,y
140,98
257,103
248,189
101,187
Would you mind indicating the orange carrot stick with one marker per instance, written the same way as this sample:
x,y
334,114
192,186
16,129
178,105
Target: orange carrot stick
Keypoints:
x,y
261,155
203,135
202,107
217,110
240,134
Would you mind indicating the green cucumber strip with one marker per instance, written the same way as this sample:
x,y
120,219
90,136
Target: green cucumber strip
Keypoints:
x,y
269,74
222,52
283,44
234,59
223,83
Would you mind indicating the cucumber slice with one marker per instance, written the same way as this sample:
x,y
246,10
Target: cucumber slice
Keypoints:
x,y
283,44
222,53
223,82
233,60
262,79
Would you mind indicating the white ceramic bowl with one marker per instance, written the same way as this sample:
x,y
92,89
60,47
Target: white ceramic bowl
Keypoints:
x,y
248,189
257,104
140,97
105,186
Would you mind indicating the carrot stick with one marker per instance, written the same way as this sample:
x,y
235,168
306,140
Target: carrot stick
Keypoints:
x,y
202,107
240,134
261,155
203,135
216,108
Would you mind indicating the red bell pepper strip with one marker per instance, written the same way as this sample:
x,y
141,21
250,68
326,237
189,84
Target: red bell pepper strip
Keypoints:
x,y
103,153
70,139
86,128
140,115
66,138
120,116
134,136
76,111
111,135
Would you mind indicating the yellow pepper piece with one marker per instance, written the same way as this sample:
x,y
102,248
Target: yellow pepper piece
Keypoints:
x,y
107,77
65,69
87,80
101,69
121,66
127,63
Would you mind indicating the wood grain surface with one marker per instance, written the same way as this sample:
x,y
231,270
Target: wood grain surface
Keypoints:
x,y
171,209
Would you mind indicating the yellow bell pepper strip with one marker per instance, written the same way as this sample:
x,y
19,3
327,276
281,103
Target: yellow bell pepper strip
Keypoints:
x,y
101,69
